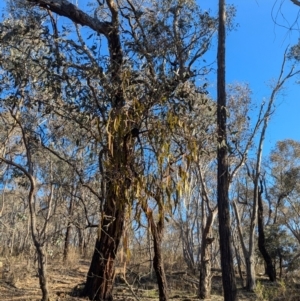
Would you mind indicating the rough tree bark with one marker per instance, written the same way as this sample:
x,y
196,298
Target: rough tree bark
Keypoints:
x,y
100,277
158,265
248,254
205,265
228,276
39,245
208,216
68,231
257,172
270,269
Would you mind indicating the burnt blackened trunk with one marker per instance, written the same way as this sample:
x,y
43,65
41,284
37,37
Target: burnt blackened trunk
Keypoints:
x,y
228,276
270,269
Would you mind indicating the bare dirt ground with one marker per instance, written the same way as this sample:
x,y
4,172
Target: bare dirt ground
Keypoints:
x,y
19,282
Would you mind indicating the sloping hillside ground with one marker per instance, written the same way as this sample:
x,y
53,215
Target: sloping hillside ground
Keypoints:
x,y
19,282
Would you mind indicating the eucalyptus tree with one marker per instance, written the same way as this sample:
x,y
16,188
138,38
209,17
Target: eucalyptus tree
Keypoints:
x,y
21,153
240,137
109,89
255,173
20,144
168,181
284,164
196,208
26,107
228,276
283,191
209,213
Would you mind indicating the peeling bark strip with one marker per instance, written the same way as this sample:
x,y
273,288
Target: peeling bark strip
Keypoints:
x,y
228,275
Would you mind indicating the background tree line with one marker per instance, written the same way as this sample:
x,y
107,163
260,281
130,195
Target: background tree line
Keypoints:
x,y
110,142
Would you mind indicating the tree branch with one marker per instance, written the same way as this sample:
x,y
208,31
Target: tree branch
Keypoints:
x,y
69,10
296,2
21,168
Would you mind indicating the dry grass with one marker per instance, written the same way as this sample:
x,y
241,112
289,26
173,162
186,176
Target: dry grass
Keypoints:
x,y
20,282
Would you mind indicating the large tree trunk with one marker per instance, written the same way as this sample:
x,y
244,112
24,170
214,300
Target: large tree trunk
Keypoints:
x,y
228,275
100,278
270,269
101,273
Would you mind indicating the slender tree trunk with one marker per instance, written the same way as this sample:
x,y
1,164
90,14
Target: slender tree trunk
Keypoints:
x,y
158,265
42,270
238,260
270,269
250,271
205,265
67,242
228,275
81,240
12,242
68,232
280,266
150,253
248,254
41,254
25,243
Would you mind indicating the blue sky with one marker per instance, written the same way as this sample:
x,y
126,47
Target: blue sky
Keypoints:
x,y
254,55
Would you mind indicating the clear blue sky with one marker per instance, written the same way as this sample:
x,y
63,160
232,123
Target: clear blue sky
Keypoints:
x,y
254,55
